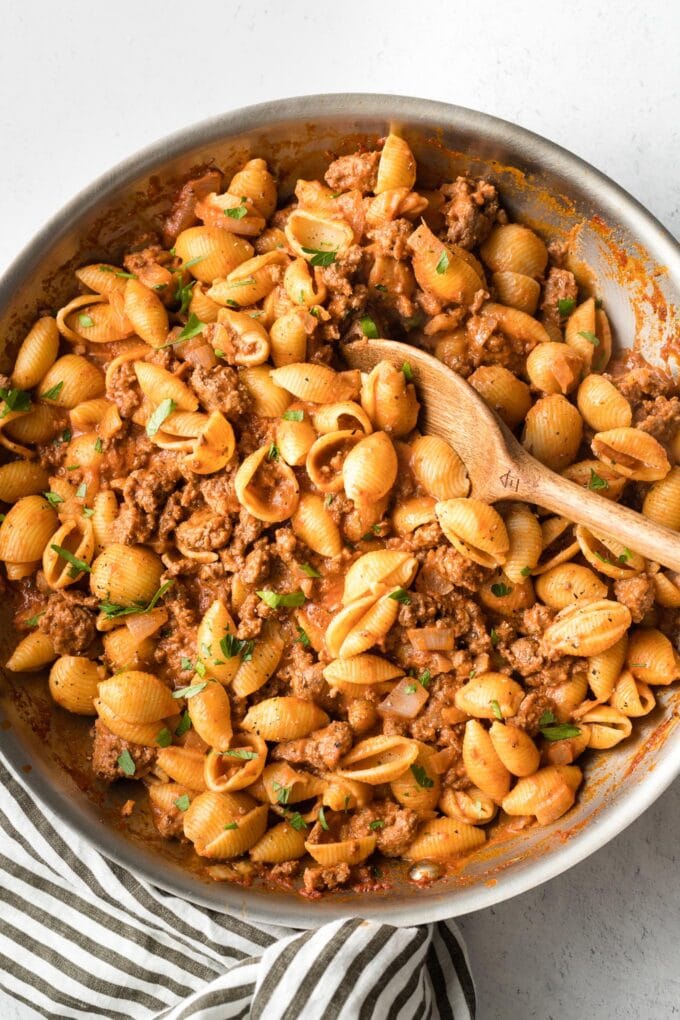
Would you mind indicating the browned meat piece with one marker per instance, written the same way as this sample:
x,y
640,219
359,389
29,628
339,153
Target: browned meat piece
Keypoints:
x,y
168,820
358,171
150,267
172,514
123,390
470,211
257,565
247,530
69,621
390,238
182,214
560,285
637,593
204,531
641,381
444,569
283,873
321,750
524,655
148,489
318,880
345,295
107,749
251,615
530,711
218,492
395,835
218,390
132,526
536,619
660,417
179,641
428,726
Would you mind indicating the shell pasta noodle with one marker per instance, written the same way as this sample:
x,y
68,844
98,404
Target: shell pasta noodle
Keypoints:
x,y
268,593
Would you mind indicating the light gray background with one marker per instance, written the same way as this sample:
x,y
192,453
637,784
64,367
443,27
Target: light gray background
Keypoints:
x,y
83,85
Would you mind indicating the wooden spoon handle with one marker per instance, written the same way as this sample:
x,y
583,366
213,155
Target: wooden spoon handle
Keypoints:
x,y
536,484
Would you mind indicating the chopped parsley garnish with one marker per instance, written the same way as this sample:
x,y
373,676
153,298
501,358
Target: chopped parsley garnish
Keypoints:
x,y
86,320
297,821
496,709
547,718
322,819
77,566
81,491
294,415
186,664
382,287
321,258
525,571
309,570
408,371
125,763
188,692
184,724
330,498
67,435
98,446
588,335
163,411
200,668
88,511
289,599
561,732
500,590
596,482
53,498
231,825
193,327
111,610
625,555
566,305
231,646
32,621
602,558
282,792
376,824
53,391
164,737
411,688
182,803
303,638
273,452
494,636
424,678
369,328
443,263
237,212
117,272
241,752
14,400
401,595
421,777
183,293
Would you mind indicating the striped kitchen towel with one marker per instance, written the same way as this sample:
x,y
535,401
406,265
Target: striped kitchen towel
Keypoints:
x,y
82,937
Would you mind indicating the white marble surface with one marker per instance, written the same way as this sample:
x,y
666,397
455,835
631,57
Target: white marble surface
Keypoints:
x,y
83,85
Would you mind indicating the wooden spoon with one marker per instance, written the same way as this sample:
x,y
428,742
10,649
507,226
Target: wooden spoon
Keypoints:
x,y
498,465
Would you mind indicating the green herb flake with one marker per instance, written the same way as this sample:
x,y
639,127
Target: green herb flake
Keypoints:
x,y
125,763
81,491
88,511
408,371
242,753
525,571
163,411
188,692
603,559
219,353
547,718
53,498
322,819
184,724
321,258
329,499
303,638
282,792
596,482
561,732
443,263
294,415
588,335
193,327
230,825
14,400
424,678
381,287
67,435
237,212
32,621
273,452
117,272
411,688
53,391
200,668
297,822
182,803
566,306
497,710
376,824
77,566
625,555
421,777
287,600
98,446
500,590
186,664
494,637
369,328
230,646
309,570
72,467
400,595
164,737
86,320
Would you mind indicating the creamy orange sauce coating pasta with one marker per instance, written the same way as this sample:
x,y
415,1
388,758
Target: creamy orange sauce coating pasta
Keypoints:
x,y
274,595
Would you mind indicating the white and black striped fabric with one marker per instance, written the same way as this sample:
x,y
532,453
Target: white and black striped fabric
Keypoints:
x,y
82,937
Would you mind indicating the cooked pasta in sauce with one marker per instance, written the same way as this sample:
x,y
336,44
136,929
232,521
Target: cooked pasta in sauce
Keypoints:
x,y
275,596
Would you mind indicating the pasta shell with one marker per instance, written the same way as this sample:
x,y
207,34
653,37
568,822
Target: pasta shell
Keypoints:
x,y
472,805
651,657
589,336
37,354
587,629
254,672
147,313
268,400
20,478
38,426
607,726
567,583
203,307
255,183
73,683
396,166
482,763
605,668
210,713
489,694
515,748
213,447
377,572
515,324
301,286
345,794
568,696
412,514
347,851
77,538
209,813
389,400
126,650
444,838
526,542
229,770
476,530
446,271
294,440
317,383
126,575
370,469
343,416
559,544
184,765
280,843
505,394
246,339
32,653
667,590
158,385
90,413
146,734
27,529
285,718
601,405
418,788
326,458
309,234
553,430
103,278
266,486
213,648
360,625
288,339
511,247
313,524
500,597
438,468
379,759
236,841
547,794
607,555
632,697
554,368
216,251
597,477
250,282
71,380
662,501
361,669
137,697
517,290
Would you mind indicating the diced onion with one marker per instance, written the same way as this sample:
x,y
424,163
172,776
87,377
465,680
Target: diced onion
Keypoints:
x,y
442,761
432,639
143,625
405,700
